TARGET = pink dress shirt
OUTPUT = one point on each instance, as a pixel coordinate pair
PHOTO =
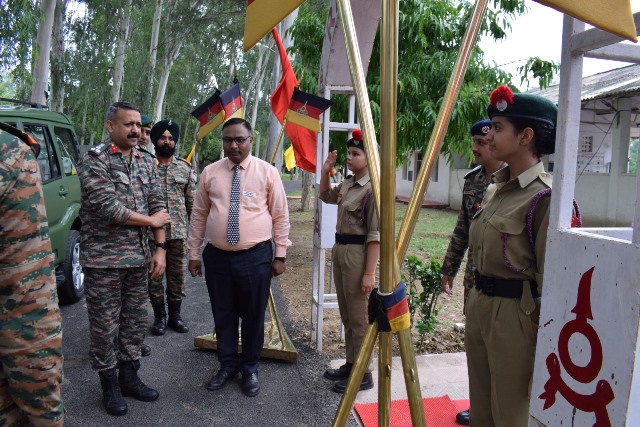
(263, 207)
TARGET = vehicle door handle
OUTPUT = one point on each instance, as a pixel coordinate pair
(62, 192)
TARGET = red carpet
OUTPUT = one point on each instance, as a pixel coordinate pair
(438, 411)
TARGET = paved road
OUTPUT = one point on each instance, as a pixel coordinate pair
(291, 395)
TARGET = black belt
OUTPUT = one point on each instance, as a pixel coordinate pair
(350, 239)
(507, 288)
(244, 251)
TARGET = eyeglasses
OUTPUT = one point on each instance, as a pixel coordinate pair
(238, 140)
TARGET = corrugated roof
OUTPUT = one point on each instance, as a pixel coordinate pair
(608, 84)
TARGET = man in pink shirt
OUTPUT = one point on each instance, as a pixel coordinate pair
(240, 206)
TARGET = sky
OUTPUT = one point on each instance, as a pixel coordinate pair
(539, 33)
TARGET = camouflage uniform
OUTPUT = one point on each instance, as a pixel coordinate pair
(177, 188)
(30, 328)
(475, 186)
(114, 255)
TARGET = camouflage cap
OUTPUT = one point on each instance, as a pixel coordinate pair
(163, 125)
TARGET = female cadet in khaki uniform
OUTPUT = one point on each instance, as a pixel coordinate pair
(355, 254)
(504, 307)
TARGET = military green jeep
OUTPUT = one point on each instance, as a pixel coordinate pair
(58, 158)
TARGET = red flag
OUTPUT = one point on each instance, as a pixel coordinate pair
(302, 139)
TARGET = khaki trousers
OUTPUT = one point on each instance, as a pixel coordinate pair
(348, 267)
(500, 340)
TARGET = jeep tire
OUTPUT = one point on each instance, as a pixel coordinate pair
(72, 288)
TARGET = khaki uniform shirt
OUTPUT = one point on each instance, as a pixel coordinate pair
(177, 187)
(356, 212)
(112, 187)
(504, 212)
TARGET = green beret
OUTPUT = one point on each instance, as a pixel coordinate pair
(523, 105)
(146, 121)
(158, 129)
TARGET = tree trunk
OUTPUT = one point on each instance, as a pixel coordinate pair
(164, 79)
(257, 75)
(307, 184)
(153, 54)
(118, 68)
(41, 69)
(57, 58)
(123, 35)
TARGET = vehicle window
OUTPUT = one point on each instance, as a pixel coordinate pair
(66, 143)
(47, 159)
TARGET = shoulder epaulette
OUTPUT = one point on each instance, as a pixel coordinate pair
(98, 149)
(184, 160)
(144, 151)
(473, 171)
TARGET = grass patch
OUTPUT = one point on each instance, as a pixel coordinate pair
(432, 232)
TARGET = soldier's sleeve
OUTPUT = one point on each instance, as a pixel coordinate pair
(155, 199)
(459, 240)
(101, 191)
(541, 225)
(189, 193)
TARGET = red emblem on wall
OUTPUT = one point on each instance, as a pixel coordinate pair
(603, 394)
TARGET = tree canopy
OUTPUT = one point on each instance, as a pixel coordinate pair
(199, 47)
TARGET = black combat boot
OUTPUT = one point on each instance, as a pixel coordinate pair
(112, 398)
(160, 315)
(175, 321)
(131, 385)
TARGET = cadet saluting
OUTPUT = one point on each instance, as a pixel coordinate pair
(120, 199)
(504, 308)
(355, 254)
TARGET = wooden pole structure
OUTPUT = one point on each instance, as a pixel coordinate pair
(389, 275)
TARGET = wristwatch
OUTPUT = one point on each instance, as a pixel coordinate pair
(162, 245)
(280, 258)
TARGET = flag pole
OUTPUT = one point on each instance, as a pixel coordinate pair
(275, 150)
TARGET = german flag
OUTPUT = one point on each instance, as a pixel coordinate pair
(232, 103)
(305, 109)
(262, 16)
(614, 16)
(210, 115)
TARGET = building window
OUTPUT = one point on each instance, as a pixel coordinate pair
(586, 144)
(405, 171)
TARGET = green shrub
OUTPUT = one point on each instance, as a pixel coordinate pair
(423, 299)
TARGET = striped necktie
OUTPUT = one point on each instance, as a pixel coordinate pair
(233, 227)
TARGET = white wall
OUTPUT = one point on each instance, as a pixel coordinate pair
(437, 191)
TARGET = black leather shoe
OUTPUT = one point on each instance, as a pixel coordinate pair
(342, 373)
(250, 384)
(366, 384)
(463, 417)
(221, 378)
(145, 350)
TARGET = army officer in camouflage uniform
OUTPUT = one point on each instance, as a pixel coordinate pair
(120, 200)
(174, 176)
(30, 332)
(475, 185)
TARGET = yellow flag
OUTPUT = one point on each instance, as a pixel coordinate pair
(262, 16)
(613, 16)
(193, 150)
(289, 158)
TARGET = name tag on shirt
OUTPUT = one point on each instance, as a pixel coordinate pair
(248, 194)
